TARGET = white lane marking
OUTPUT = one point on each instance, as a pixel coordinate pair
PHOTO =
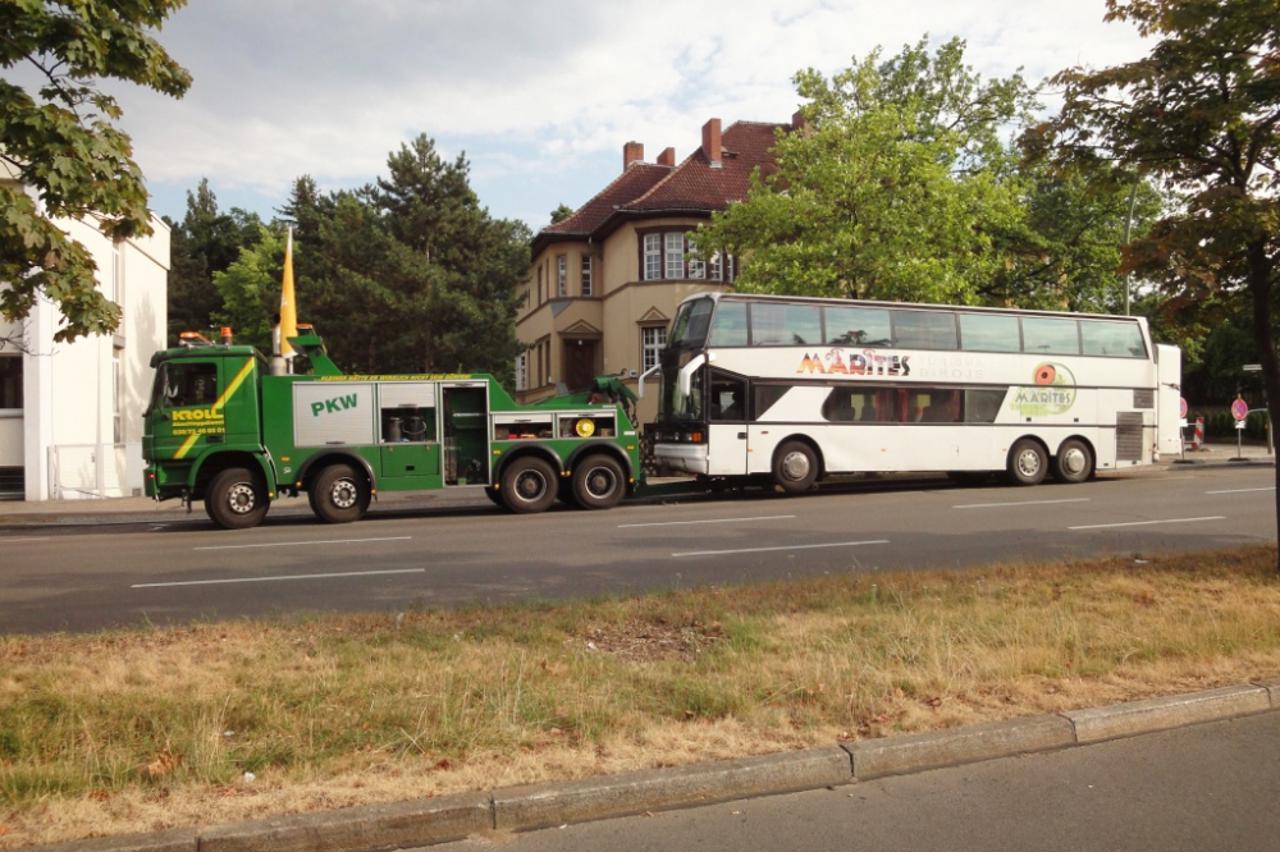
(278, 578)
(1241, 490)
(1145, 523)
(300, 543)
(707, 521)
(27, 538)
(1022, 503)
(783, 547)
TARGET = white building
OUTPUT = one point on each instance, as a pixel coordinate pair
(71, 413)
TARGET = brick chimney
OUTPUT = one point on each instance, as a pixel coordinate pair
(632, 152)
(799, 122)
(711, 142)
(667, 157)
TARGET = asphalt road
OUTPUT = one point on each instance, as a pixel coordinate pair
(86, 578)
(1212, 786)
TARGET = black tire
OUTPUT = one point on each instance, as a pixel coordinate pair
(598, 482)
(339, 494)
(529, 485)
(795, 467)
(1028, 462)
(495, 496)
(236, 499)
(1074, 461)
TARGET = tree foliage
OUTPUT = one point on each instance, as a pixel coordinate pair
(899, 187)
(59, 139)
(1200, 115)
(204, 243)
(408, 274)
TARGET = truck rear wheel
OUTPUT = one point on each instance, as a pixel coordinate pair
(236, 499)
(528, 485)
(339, 494)
(598, 482)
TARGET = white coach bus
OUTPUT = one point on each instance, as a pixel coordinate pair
(797, 389)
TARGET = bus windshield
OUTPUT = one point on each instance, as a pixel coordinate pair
(690, 328)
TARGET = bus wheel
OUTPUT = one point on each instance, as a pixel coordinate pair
(339, 494)
(1028, 462)
(795, 467)
(528, 485)
(236, 499)
(598, 482)
(1074, 462)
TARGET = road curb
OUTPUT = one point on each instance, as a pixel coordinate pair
(1158, 714)
(934, 749)
(542, 805)
(529, 807)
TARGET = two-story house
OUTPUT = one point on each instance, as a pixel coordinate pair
(604, 283)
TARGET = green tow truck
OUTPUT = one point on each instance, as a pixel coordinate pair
(220, 428)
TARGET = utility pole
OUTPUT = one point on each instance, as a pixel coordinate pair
(1128, 228)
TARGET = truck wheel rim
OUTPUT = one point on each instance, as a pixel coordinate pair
(795, 466)
(1073, 461)
(530, 485)
(241, 498)
(343, 494)
(600, 482)
(1028, 462)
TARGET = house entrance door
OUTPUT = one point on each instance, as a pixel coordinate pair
(579, 363)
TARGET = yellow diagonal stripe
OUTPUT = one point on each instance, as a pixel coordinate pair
(186, 445)
(234, 386)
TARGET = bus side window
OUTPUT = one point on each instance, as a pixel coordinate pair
(728, 398)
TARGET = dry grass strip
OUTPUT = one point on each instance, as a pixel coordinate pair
(146, 729)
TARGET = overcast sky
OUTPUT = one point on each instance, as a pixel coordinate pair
(540, 95)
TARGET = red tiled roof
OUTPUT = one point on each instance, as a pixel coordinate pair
(631, 184)
(695, 185)
(692, 186)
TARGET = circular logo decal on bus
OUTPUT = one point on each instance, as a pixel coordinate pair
(1053, 392)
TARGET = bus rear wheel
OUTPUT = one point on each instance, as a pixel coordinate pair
(1074, 462)
(236, 499)
(598, 482)
(339, 494)
(1028, 462)
(528, 485)
(795, 467)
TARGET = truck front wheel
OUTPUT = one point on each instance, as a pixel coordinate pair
(236, 499)
(339, 494)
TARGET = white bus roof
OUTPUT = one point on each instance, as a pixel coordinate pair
(827, 300)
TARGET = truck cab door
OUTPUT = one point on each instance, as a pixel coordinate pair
(182, 415)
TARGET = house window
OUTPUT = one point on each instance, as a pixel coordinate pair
(562, 275)
(522, 371)
(652, 340)
(11, 382)
(652, 257)
(540, 291)
(117, 395)
(113, 281)
(674, 251)
(697, 267)
(586, 275)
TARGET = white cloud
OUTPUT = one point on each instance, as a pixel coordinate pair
(286, 87)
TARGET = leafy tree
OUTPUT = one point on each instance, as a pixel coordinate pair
(62, 145)
(1200, 114)
(562, 212)
(249, 290)
(204, 243)
(900, 186)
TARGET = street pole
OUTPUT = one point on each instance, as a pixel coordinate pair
(1128, 229)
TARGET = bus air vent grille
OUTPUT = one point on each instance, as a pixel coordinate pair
(1129, 436)
(1144, 398)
